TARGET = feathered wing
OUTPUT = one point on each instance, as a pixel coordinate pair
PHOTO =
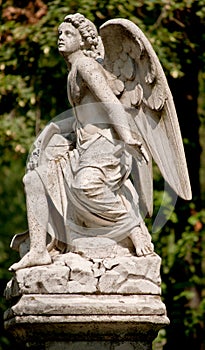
(129, 56)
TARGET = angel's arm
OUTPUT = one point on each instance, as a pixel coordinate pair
(93, 76)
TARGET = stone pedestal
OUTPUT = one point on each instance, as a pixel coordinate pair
(87, 301)
(86, 321)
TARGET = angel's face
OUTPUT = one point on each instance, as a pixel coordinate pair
(69, 38)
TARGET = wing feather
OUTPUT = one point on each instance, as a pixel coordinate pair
(130, 56)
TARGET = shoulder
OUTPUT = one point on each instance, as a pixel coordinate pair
(87, 66)
(86, 62)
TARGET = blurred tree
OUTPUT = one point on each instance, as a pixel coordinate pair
(32, 75)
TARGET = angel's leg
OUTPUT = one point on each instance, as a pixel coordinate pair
(109, 210)
(141, 239)
(37, 212)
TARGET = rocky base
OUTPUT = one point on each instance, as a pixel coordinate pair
(110, 269)
(88, 299)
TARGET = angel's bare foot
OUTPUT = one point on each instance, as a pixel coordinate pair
(32, 259)
(142, 241)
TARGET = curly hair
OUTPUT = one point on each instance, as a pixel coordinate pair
(88, 32)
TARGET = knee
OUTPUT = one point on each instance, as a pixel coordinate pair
(86, 185)
(27, 179)
(30, 179)
(80, 187)
(33, 184)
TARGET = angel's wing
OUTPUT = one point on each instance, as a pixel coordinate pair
(146, 95)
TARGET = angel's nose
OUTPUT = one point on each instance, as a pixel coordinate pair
(60, 36)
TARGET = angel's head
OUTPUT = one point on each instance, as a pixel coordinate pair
(81, 35)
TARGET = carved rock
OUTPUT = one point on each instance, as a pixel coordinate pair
(74, 273)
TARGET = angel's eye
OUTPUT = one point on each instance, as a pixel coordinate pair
(67, 33)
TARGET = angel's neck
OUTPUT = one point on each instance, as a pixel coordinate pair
(72, 58)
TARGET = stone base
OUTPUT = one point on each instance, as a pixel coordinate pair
(72, 273)
(100, 296)
(86, 321)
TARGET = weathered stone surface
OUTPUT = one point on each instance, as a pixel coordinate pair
(82, 278)
(85, 287)
(65, 331)
(39, 280)
(75, 304)
(112, 283)
(106, 320)
(139, 286)
(131, 275)
(83, 300)
(87, 181)
(98, 269)
(94, 247)
(73, 273)
(105, 293)
(147, 267)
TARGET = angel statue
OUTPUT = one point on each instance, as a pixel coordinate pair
(90, 174)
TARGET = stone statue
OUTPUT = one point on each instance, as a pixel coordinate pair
(90, 175)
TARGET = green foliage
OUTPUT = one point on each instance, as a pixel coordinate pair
(183, 271)
(32, 75)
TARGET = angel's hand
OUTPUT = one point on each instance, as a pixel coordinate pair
(136, 149)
